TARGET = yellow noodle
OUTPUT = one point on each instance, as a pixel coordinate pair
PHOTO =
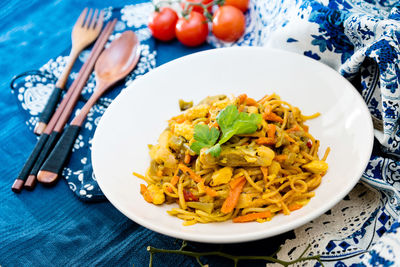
(304, 184)
(313, 116)
(252, 210)
(316, 146)
(307, 156)
(285, 209)
(285, 118)
(204, 171)
(146, 179)
(182, 201)
(251, 182)
(328, 149)
(165, 187)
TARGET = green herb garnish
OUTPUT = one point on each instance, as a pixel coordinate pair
(204, 136)
(231, 122)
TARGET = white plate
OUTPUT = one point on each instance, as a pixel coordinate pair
(139, 114)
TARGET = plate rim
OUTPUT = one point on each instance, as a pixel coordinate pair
(245, 237)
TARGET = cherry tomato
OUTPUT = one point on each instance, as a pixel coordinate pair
(162, 24)
(228, 23)
(192, 31)
(243, 5)
(197, 8)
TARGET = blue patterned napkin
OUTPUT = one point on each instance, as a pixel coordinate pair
(359, 39)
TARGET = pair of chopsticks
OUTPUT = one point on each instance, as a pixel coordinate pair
(27, 176)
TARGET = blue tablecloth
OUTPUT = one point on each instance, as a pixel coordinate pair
(50, 226)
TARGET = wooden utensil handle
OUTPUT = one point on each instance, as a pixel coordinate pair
(30, 182)
(50, 105)
(31, 160)
(55, 95)
(58, 156)
(73, 55)
(51, 141)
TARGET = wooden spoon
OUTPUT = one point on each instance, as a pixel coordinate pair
(117, 61)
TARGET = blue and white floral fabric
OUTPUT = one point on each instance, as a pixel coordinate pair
(358, 38)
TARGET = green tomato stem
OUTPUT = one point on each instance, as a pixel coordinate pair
(205, 7)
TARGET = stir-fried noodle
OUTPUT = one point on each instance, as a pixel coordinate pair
(250, 177)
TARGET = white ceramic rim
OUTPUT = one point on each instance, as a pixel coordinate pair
(252, 235)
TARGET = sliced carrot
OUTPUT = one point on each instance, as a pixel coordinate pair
(174, 180)
(271, 131)
(281, 157)
(305, 127)
(242, 98)
(272, 117)
(241, 108)
(252, 217)
(294, 206)
(251, 102)
(211, 192)
(187, 158)
(146, 194)
(233, 197)
(235, 182)
(265, 141)
(295, 128)
(191, 173)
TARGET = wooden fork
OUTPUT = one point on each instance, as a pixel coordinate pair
(85, 31)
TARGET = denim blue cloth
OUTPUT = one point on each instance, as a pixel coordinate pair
(51, 227)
